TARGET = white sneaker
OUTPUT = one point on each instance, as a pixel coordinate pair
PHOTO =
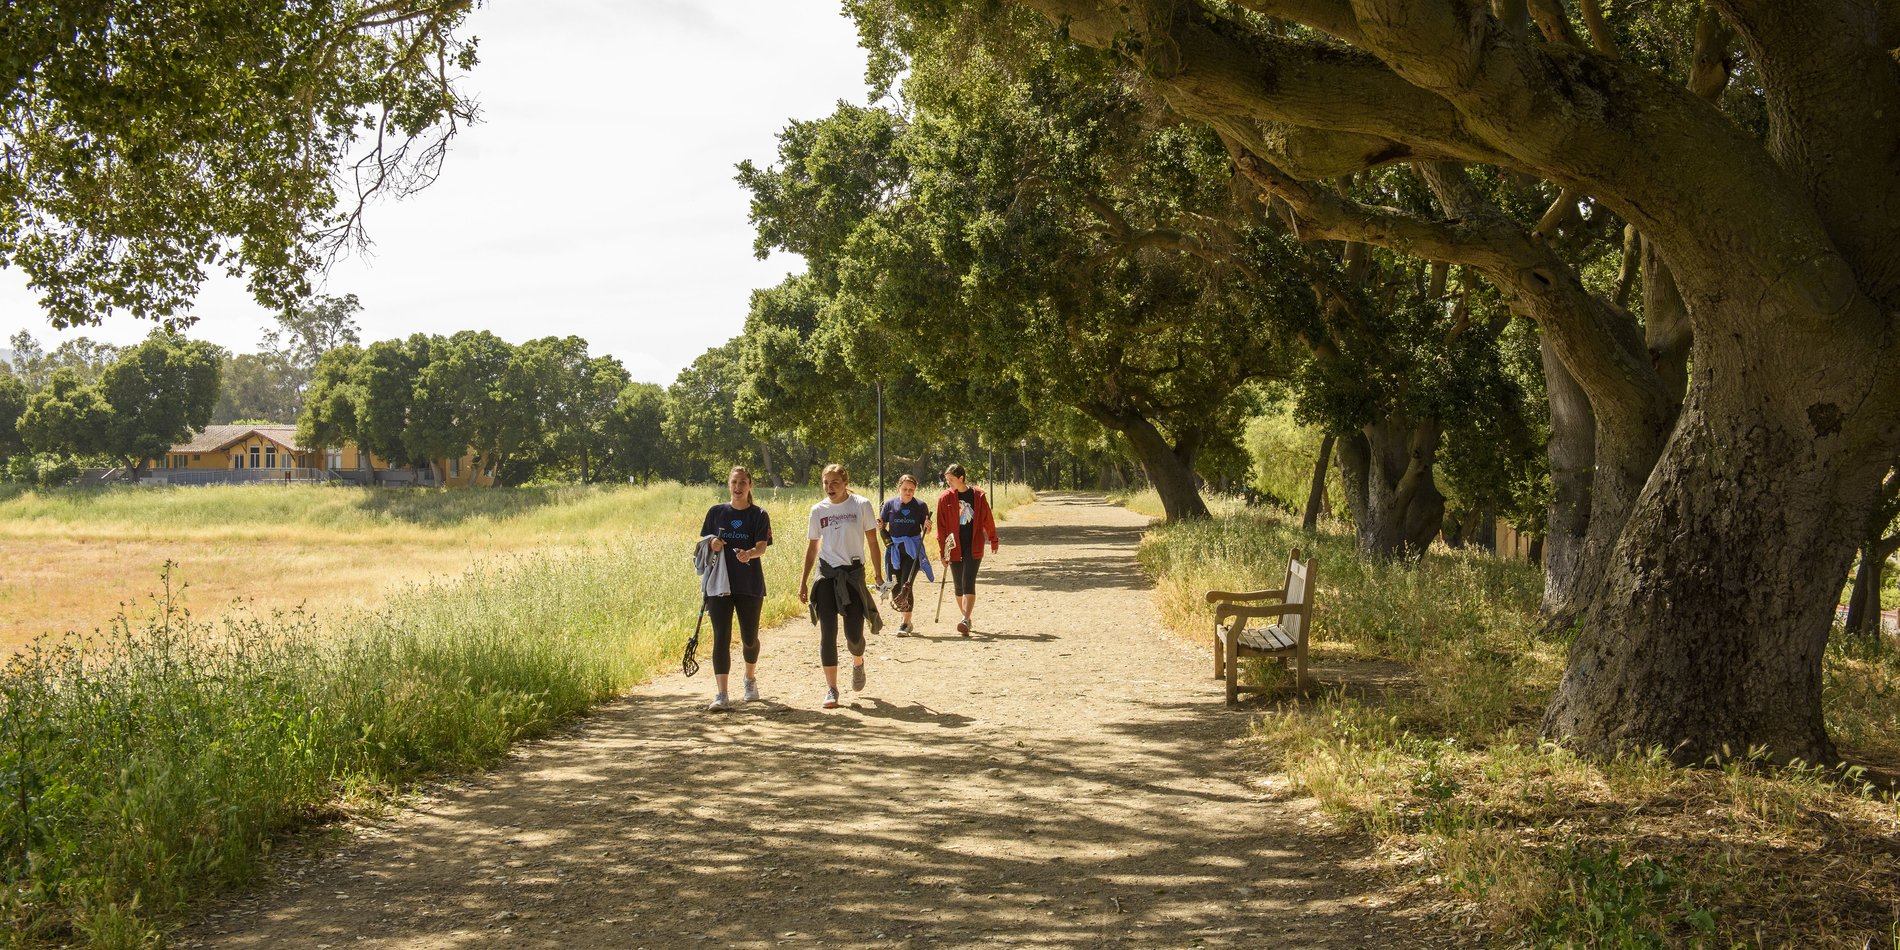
(831, 698)
(719, 704)
(751, 691)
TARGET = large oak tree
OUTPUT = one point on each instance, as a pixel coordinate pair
(1732, 515)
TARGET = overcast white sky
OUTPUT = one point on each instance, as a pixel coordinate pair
(595, 197)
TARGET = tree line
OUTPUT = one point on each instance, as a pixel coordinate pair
(543, 410)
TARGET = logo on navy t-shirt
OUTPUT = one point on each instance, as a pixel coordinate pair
(906, 518)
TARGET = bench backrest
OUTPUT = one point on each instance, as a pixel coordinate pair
(1299, 584)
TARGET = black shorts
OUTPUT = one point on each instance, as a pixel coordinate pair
(964, 574)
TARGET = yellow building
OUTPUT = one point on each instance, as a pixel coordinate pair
(268, 453)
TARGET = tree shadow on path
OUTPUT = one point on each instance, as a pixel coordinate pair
(1015, 793)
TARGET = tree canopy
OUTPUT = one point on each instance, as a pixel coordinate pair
(144, 142)
(1723, 504)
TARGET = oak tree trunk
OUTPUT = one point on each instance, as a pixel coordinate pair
(1705, 635)
(1572, 453)
(1316, 493)
(1863, 604)
(1169, 466)
(1387, 467)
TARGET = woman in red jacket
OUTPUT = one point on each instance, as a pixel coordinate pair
(964, 523)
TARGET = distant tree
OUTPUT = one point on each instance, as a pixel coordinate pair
(34, 365)
(576, 394)
(13, 397)
(28, 362)
(461, 400)
(159, 392)
(382, 387)
(328, 418)
(147, 140)
(637, 446)
(257, 386)
(304, 333)
(700, 416)
(67, 416)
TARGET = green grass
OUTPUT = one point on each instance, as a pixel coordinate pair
(155, 762)
(1446, 771)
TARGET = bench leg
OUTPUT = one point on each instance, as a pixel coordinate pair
(1219, 669)
(1233, 671)
(1299, 677)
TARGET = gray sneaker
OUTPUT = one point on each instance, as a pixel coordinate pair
(831, 698)
(857, 678)
(751, 691)
(719, 704)
(903, 630)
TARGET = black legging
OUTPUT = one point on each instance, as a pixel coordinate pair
(964, 574)
(721, 609)
(903, 591)
(827, 605)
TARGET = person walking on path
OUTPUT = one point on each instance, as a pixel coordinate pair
(737, 533)
(842, 527)
(904, 519)
(964, 522)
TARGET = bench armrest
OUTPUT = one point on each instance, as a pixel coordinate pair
(1263, 611)
(1228, 596)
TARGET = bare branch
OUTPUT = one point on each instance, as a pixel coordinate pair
(1600, 34)
(1632, 257)
(1334, 17)
(1554, 22)
(1710, 68)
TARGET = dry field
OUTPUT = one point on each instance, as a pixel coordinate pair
(70, 560)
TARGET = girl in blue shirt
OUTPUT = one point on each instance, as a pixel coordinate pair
(904, 517)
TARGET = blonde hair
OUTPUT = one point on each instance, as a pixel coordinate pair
(843, 472)
(742, 470)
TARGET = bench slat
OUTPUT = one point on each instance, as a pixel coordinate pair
(1266, 639)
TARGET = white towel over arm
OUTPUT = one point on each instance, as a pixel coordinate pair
(711, 566)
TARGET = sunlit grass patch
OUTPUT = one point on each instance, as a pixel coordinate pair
(1447, 772)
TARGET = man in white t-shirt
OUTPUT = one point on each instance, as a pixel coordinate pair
(842, 529)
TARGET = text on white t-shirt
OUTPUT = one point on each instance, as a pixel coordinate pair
(839, 528)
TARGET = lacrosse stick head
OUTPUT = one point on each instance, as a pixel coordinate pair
(689, 664)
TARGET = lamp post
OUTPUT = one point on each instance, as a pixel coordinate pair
(880, 444)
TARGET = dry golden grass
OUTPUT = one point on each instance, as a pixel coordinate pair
(1443, 766)
(70, 559)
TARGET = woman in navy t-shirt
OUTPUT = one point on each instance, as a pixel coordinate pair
(905, 517)
(742, 530)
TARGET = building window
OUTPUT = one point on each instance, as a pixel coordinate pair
(237, 461)
(333, 458)
(194, 458)
(455, 468)
(270, 456)
(362, 460)
(257, 455)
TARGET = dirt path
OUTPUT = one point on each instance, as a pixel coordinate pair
(1062, 778)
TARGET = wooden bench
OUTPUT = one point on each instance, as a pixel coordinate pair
(1236, 633)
